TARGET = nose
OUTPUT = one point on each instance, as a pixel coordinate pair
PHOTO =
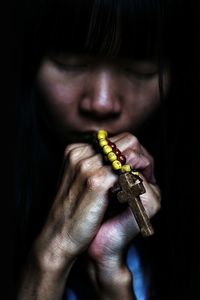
(101, 98)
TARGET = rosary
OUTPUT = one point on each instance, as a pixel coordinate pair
(130, 186)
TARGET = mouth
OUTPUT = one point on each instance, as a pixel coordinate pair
(82, 137)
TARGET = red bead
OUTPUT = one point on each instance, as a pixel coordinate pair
(121, 158)
(112, 145)
(117, 152)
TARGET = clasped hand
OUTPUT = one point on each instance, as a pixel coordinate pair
(76, 220)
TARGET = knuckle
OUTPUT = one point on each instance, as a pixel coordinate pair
(95, 182)
(147, 162)
(67, 150)
(150, 160)
(73, 156)
(133, 139)
(84, 165)
(156, 206)
(157, 192)
(152, 204)
(154, 209)
(89, 165)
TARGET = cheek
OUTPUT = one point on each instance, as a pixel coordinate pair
(149, 95)
(58, 92)
(60, 96)
(144, 100)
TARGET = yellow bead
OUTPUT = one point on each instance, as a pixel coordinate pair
(112, 156)
(126, 168)
(103, 142)
(102, 134)
(107, 149)
(116, 165)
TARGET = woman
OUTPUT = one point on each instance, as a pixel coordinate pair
(86, 66)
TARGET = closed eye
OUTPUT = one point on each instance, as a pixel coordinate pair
(141, 74)
(69, 66)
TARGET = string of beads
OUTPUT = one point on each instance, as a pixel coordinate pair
(112, 154)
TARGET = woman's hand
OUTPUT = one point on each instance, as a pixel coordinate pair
(72, 223)
(107, 248)
(80, 203)
(76, 222)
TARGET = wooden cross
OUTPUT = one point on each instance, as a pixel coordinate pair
(131, 188)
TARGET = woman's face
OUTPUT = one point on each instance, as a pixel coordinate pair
(82, 93)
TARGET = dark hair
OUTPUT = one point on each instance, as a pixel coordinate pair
(97, 27)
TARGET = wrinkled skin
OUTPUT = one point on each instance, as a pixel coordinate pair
(80, 95)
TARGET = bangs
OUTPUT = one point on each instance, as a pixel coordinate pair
(126, 28)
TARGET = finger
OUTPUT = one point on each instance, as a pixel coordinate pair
(90, 209)
(84, 170)
(151, 199)
(96, 189)
(136, 155)
(73, 155)
(148, 155)
(139, 161)
(125, 141)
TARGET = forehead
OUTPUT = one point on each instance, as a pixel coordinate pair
(106, 28)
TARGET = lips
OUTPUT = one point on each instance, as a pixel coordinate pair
(80, 137)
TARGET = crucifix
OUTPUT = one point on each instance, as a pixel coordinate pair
(131, 187)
